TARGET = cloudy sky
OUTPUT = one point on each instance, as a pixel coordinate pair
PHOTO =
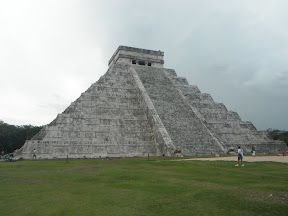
(52, 51)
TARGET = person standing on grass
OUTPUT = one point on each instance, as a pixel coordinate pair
(253, 151)
(240, 157)
(34, 154)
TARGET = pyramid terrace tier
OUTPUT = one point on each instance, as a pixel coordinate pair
(88, 149)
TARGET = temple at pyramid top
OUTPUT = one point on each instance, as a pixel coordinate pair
(136, 56)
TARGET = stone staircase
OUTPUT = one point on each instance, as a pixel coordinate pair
(186, 130)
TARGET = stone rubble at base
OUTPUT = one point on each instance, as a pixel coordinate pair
(138, 108)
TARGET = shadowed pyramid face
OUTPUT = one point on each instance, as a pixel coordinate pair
(139, 108)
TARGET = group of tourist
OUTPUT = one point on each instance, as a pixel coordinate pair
(7, 157)
(10, 156)
(241, 155)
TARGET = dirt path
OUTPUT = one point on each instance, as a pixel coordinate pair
(281, 159)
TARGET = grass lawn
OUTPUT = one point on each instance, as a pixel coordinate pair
(141, 187)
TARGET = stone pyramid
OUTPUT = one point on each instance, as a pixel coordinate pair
(138, 108)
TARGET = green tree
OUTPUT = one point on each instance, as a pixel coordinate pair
(279, 135)
(13, 137)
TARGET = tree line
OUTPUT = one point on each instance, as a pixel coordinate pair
(279, 135)
(13, 137)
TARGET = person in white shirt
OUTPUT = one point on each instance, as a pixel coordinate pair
(34, 154)
(240, 157)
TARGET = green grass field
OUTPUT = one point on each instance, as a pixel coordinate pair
(141, 187)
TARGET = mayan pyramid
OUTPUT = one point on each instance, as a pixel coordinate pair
(138, 108)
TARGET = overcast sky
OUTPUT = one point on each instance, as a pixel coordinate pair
(52, 51)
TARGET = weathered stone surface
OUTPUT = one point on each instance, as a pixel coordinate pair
(186, 130)
(105, 121)
(226, 126)
(139, 107)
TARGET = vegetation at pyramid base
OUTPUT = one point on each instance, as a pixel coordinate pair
(13, 137)
(279, 135)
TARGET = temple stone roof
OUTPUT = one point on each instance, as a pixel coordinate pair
(131, 55)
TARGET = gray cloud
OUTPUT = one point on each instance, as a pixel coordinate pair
(235, 50)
